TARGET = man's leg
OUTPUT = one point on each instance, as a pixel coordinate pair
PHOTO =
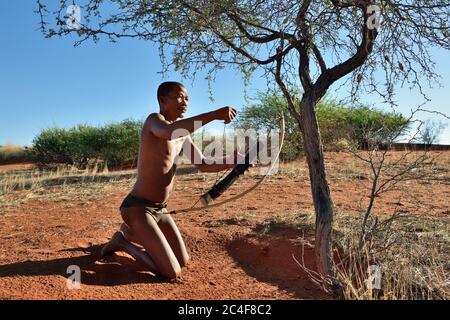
(149, 234)
(173, 236)
(128, 234)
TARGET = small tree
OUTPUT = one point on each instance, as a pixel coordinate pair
(264, 114)
(340, 126)
(314, 43)
(430, 131)
(378, 241)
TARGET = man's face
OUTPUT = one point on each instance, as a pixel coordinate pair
(176, 101)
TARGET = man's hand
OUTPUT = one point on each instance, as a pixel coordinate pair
(226, 114)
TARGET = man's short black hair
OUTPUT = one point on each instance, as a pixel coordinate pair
(166, 87)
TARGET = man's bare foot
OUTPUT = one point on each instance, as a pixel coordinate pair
(118, 242)
(115, 244)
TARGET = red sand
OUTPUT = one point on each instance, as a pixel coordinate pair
(229, 260)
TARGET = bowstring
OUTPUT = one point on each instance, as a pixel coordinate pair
(218, 178)
(196, 202)
(218, 175)
(248, 190)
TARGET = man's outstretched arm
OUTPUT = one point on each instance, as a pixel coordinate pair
(164, 129)
(205, 164)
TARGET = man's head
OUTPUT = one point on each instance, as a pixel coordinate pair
(173, 99)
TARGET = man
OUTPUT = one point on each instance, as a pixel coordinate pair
(146, 221)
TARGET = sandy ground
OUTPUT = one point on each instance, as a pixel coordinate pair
(230, 257)
(21, 166)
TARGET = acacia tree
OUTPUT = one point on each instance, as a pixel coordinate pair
(312, 43)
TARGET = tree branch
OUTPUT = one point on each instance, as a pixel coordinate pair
(261, 39)
(328, 77)
(235, 47)
(303, 68)
(287, 95)
(318, 55)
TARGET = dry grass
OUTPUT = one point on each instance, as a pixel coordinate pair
(302, 221)
(61, 183)
(349, 170)
(411, 253)
(11, 153)
(436, 168)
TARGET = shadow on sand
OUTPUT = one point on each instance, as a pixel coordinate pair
(112, 270)
(269, 257)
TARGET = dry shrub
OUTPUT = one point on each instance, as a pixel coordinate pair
(410, 252)
(12, 153)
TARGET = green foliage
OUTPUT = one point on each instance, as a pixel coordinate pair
(121, 142)
(430, 131)
(340, 127)
(265, 115)
(52, 146)
(359, 125)
(116, 144)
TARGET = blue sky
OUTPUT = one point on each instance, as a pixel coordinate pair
(48, 82)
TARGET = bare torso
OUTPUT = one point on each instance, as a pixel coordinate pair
(156, 166)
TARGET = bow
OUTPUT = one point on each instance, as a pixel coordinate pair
(219, 188)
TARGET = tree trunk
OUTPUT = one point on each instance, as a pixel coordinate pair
(319, 186)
